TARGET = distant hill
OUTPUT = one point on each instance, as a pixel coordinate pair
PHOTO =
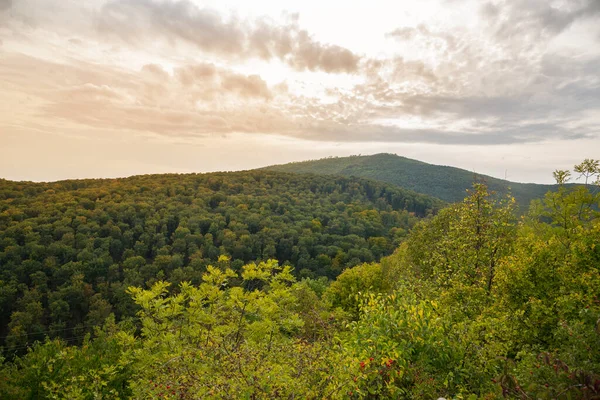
(446, 183)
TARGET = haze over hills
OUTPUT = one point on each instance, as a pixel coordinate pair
(446, 183)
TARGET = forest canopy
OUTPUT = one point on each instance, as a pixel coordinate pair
(69, 250)
(476, 302)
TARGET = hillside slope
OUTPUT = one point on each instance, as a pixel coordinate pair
(446, 183)
(69, 250)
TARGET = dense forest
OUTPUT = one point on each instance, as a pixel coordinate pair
(69, 250)
(476, 302)
(446, 183)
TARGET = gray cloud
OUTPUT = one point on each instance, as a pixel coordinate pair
(504, 83)
(529, 133)
(489, 10)
(491, 121)
(516, 117)
(480, 88)
(137, 21)
(537, 18)
(5, 4)
(202, 99)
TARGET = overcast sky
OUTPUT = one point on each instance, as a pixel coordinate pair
(95, 88)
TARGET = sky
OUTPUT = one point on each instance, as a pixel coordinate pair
(108, 88)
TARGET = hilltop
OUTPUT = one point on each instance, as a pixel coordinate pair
(443, 182)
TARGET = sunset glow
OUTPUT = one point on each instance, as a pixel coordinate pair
(115, 88)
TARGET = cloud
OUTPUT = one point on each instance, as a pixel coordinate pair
(503, 75)
(537, 18)
(246, 86)
(91, 92)
(202, 99)
(421, 30)
(143, 21)
(196, 99)
(135, 20)
(489, 10)
(458, 86)
(5, 4)
(390, 134)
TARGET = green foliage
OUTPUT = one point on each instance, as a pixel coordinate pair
(446, 183)
(569, 208)
(474, 304)
(55, 370)
(219, 341)
(69, 250)
(402, 349)
(532, 329)
(345, 291)
(459, 251)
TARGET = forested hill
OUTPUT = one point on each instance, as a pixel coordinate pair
(447, 183)
(70, 249)
(474, 303)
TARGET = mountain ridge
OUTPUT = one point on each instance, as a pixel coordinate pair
(444, 182)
